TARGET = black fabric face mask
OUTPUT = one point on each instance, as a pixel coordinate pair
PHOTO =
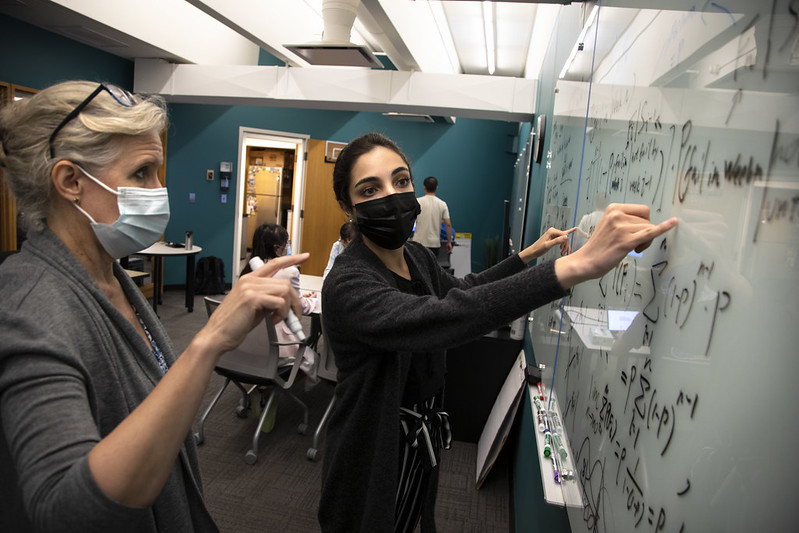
(388, 221)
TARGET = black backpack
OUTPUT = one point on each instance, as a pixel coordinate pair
(210, 277)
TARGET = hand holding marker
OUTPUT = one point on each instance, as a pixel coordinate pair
(291, 320)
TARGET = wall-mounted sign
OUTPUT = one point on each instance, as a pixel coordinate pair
(332, 149)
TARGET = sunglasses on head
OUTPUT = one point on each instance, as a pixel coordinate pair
(122, 97)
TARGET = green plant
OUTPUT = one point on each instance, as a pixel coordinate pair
(492, 251)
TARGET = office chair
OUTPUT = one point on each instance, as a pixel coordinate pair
(328, 371)
(256, 362)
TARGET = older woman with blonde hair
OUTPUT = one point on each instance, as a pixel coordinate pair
(96, 407)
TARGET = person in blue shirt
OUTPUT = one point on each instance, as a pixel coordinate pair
(346, 234)
(444, 232)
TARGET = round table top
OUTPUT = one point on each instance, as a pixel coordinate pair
(162, 248)
(311, 283)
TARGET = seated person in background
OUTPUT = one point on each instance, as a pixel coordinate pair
(346, 233)
(270, 241)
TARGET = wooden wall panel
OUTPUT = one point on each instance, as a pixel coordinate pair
(8, 204)
(323, 217)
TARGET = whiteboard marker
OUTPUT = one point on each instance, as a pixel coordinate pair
(555, 418)
(291, 319)
(538, 403)
(559, 445)
(547, 437)
(558, 468)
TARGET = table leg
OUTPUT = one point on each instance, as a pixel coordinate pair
(190, 282)
(316, 330)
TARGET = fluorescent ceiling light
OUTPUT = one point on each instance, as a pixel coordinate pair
(580, 41)
(488, 23)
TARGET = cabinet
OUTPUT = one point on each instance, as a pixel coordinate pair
(475, 374)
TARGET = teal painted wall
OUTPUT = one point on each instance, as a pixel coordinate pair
(471, 158)
(36, 58)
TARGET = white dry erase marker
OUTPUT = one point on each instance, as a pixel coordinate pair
(292, 321)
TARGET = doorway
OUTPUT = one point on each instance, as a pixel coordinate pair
(270, 187)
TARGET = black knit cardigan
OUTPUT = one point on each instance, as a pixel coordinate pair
(373, 329)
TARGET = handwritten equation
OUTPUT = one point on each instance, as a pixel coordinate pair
(642, 411)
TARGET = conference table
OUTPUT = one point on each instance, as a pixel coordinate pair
(309, 283)
(162, 249)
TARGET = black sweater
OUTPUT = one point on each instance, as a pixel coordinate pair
(373, 328)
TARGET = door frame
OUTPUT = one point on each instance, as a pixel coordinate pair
(249, 136)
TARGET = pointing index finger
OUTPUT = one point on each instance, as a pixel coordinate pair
(655, 231)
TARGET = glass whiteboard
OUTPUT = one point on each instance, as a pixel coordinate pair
(684, 417)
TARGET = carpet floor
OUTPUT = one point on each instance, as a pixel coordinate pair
(280, 492)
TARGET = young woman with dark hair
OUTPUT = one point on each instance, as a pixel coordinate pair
(390, 313)
(270, 241)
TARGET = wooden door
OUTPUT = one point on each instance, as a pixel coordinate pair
(322, 217)
(8, 204)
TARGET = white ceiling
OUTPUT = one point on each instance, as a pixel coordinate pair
(426, 36)
(207, 51)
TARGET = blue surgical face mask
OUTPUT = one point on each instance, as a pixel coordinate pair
(143, 216)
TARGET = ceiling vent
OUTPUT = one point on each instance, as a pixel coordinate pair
(335, 48)
(337, 55)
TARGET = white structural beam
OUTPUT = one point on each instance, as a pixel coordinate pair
(336, 88)
(270, 24)
(172, 25)
(414, 22)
